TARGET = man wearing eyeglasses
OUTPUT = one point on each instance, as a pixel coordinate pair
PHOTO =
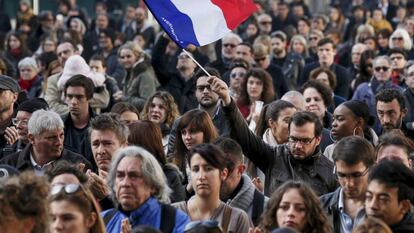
(409, 94)
(366, 92)
(353, 156)
(228, 53)
(24, 112)
(299, 159)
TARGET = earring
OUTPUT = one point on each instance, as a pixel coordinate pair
(362, 131)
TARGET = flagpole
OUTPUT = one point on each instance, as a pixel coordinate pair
(196, 62)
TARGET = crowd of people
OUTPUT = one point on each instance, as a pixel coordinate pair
(302, 121)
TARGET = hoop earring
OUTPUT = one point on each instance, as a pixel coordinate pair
(362, 131)
(330, 135)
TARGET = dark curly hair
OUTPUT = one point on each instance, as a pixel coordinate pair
(268, 93)
(324, 90)
(316, 220)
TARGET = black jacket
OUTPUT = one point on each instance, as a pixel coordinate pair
(276, 162)
(329, 204)
(21, 160)
(405, 226)
(343, 78)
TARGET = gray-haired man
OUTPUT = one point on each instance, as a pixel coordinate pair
(46, 145)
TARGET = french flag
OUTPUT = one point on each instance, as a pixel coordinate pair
(199, 22)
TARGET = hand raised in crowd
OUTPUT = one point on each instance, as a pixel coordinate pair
(118, 95)
(258, 184)
(255, 230)
(125, 226)
(11, 135)
(97, 185)
(221, 88)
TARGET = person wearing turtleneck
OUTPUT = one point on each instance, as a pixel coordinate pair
(298, 159)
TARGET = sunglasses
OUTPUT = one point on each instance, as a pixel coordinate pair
(265, 22)
(260, 59)
(210, 224)
(230, 45)
(313, 38)
(397, 38)
(67, 188)
(238, 74)
(379, 68)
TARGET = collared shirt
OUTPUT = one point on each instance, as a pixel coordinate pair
(347, 223)
(38, 169)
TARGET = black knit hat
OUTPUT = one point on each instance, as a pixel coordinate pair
(31, 105)
(360, 109)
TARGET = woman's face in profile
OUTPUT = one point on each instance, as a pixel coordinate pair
(292, 210)
(343, 123)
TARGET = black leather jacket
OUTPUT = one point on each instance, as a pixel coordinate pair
(276, 162)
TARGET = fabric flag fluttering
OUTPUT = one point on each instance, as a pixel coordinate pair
(199, 22)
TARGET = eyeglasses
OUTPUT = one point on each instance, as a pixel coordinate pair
(355, 175)
(303, 141)
(398, 38)
(16, 121)
(229, 45)
(238, 74)
(260, 59)
(210, 224)
(68, 188)
(265, 22)
(313, 38)
(379, 68)
(203, 87)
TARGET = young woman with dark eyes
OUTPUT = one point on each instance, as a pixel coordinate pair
(208, 170)
(194, 127)
(294, 205)
(318, 97)
(351, 118)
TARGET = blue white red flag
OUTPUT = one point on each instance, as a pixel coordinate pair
(199, 22)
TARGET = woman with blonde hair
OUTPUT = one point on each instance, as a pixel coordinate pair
(372, 225)
(299, 46)
(140, 81)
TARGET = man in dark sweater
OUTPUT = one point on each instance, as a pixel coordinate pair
(326, 54)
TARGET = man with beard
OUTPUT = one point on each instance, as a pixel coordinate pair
(353, 156)
(9, 90)
(391, 110)
(237, 190)
(299, 159)
(78, 91)
(207, 101)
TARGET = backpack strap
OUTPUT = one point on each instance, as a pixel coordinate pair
(226, 218)
(109, 215)
(168, 214)
(257, 209)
